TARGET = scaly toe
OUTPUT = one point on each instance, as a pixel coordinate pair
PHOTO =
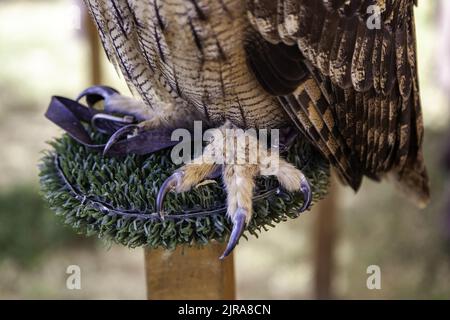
(238, 228)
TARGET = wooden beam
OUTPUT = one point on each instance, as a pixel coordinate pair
(190, 274)
(95, 63)
(324, 244)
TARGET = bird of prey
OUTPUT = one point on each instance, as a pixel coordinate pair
(342, 73)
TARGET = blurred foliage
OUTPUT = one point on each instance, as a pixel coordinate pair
(410, 245)
(28, 228)
(37, 56)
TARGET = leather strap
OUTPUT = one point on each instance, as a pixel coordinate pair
(69, 115)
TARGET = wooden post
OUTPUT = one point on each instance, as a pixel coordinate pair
(324, 243)
(190, 274)
(95, 69)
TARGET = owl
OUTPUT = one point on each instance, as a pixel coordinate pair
(340, 74)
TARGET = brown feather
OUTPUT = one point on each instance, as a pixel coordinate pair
(369, 79)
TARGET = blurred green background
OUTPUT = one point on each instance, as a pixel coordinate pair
(44, 51)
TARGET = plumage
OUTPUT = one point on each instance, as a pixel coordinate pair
(351, 90)
(374, 85)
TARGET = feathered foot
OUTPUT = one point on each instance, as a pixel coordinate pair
(238, 178)
(114, 102)
(135, 116)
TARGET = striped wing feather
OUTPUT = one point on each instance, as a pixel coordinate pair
(367, 118)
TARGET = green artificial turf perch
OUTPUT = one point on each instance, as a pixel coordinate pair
(114, 198)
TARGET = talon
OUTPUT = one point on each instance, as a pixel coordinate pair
(117, 135)
(236, 233)
(305, 188)
(168, 185)
(216, 173)
(102, 116)
(96, 93)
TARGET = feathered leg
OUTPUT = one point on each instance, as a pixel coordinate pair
(166, 115)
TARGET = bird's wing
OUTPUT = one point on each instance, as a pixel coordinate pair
(359, 98)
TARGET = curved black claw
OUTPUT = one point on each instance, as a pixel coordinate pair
(96, 93)
(305, 188)
(238, 228)
(118, 134)
(168, 185)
